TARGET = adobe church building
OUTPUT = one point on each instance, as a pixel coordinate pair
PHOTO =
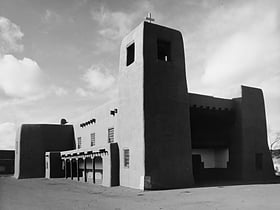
(156, 135)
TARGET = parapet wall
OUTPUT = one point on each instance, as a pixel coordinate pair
(197, 100)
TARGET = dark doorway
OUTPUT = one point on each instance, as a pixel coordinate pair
(197, 166)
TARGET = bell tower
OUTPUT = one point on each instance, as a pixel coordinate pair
(154, 121)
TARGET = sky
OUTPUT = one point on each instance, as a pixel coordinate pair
(60, 58)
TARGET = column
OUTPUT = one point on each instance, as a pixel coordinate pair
(93, 169)
(85, 169)
(77, 161)
(71, 168)
(65, 168)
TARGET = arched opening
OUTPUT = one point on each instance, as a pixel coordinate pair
(98, 170)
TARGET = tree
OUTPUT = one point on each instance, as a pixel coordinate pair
(277, 139)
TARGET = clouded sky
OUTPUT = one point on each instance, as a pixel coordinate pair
(59, 58)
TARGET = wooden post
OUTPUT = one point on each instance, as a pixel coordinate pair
(93, 170)
(77, 161)
(71, 169)
(85, 169)
(65, 168)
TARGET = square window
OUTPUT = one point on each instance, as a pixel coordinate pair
(110, 135)
(126, 158)
(130, 54)
(79, 142)
(92, 139)
(164, 50)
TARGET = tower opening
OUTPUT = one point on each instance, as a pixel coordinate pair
(164, 50)
(130, 54)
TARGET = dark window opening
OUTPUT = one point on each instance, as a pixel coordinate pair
(259, 161)
(126, 158)
(164, 50)
(130, 54)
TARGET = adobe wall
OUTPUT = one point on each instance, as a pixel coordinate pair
(104, 121)
(33, 140)
(254, 137)
(168, 160)
(131, 116)
(236, 146)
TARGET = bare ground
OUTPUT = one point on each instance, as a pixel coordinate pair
(61, 194)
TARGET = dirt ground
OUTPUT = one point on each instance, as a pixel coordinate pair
(61, 194)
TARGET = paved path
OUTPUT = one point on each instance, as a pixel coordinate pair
(61, 194)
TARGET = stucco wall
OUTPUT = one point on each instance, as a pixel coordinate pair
(131, 118)
(104, 120)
